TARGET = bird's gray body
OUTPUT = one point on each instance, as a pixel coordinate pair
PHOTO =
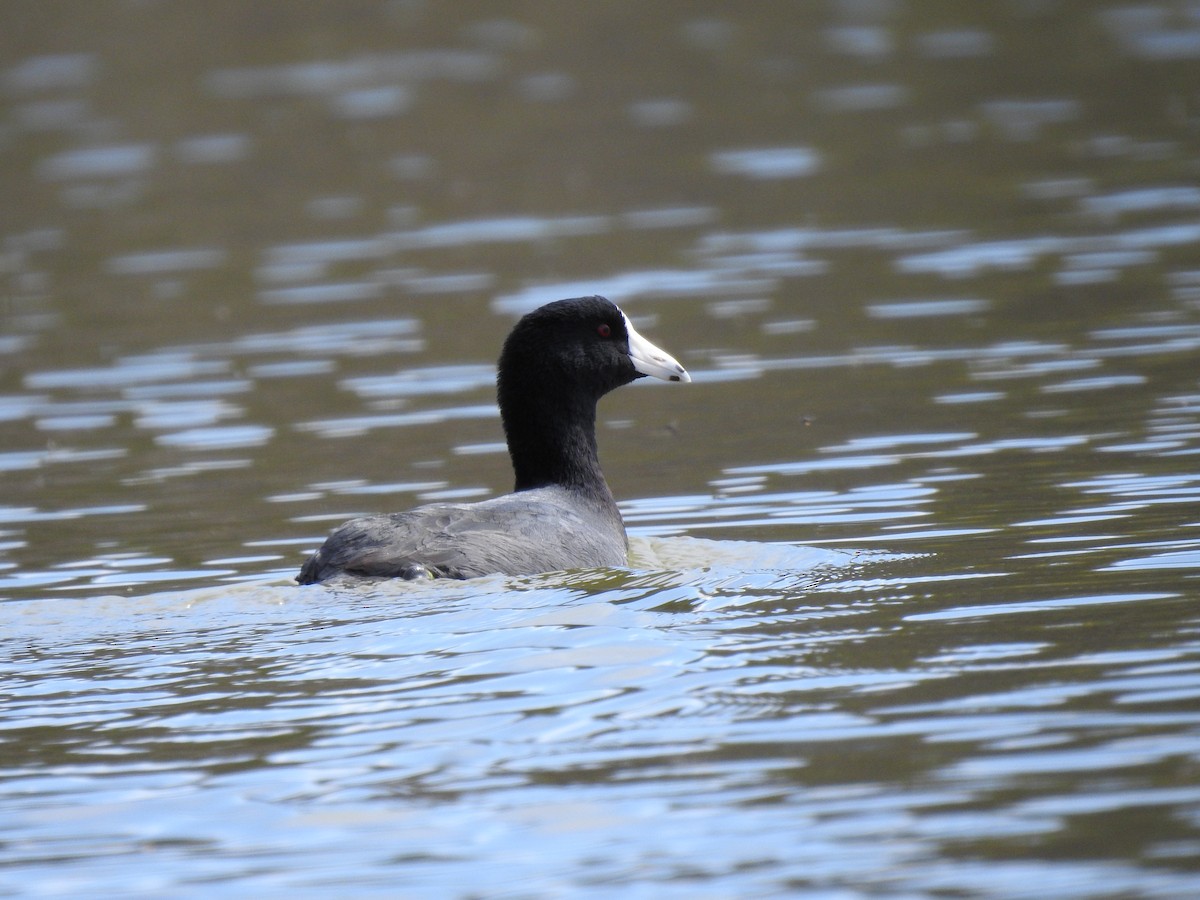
(543, 530)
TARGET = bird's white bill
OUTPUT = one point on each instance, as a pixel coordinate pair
(650, 360)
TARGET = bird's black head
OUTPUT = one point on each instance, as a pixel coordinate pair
(585, 346)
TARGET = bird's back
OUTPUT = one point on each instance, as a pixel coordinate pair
(541, 530)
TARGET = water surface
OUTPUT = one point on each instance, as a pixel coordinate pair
(911, 603)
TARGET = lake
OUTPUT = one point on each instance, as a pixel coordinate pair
(911, 607)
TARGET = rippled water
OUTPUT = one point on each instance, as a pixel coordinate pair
(911, 604)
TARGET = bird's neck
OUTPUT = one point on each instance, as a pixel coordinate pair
(553, 442)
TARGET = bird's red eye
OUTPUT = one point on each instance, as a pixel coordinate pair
(604, 330)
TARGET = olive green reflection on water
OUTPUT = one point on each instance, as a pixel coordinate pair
(911, 603)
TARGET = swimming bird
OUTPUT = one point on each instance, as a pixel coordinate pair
(556, 364)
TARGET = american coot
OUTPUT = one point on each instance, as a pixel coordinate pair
(556, 364)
